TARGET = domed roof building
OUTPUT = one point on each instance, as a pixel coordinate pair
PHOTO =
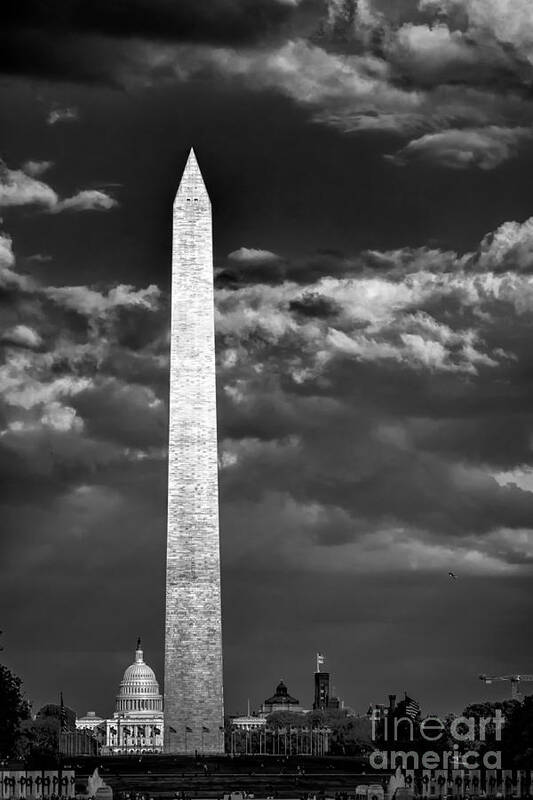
(139, 689)
(137, 724)
(281, 701)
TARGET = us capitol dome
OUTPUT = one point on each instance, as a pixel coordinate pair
(137, 724)
(139, 689)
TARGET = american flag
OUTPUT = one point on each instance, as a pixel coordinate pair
(62, 714)
(412, 708)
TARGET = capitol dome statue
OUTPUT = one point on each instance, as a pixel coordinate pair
(139, 689)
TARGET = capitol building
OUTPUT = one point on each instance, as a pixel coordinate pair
(137, 724)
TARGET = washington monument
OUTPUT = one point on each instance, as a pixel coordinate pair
(194, 706)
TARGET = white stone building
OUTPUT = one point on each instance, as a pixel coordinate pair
(249, 723)
(137, 724)
(90, 722)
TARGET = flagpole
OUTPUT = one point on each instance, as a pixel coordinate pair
(60, 725)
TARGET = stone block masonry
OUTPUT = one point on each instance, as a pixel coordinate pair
(193, 693)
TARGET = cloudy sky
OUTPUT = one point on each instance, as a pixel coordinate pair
(369, 165)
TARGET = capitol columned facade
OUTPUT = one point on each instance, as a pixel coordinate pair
(137, 724)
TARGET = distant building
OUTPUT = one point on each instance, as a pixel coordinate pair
(70, 740)
(395, 720)
(137, 724)
(249, 723)
(281, 701)
(378, 711)
(323, 700)
(90, 722)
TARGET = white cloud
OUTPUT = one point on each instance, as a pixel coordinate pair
(60, 417)
(509, 247)
(485, 148)
(384, 318)
(93, 303)
(431, 48)
(20, 188)
(86, 200)
(8, 276)
(412, 349)
(21, 384)
(23, 336)
(36, 168)
(68, 114)
(7, 257)
(434, 54)
(523, 478)
(252, 255)
(354, 91)
(509, 21)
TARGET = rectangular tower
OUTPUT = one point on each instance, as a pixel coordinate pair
(194, 715)
(321, 699)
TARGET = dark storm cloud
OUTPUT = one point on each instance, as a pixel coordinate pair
(88, 41)
(82, 459)
(455, 88)
(61, 56)
(274, 269)
(218, 21)
(357, 457)
(407, 378)
(56, 396)
(367, 414)
(312, 305)
(132, 415)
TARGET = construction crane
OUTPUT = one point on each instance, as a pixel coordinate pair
(514, 680)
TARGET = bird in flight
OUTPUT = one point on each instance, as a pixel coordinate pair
(452, 575)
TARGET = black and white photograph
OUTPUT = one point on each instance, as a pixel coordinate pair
(266, 399)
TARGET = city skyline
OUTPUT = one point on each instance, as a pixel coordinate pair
(368, 165)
